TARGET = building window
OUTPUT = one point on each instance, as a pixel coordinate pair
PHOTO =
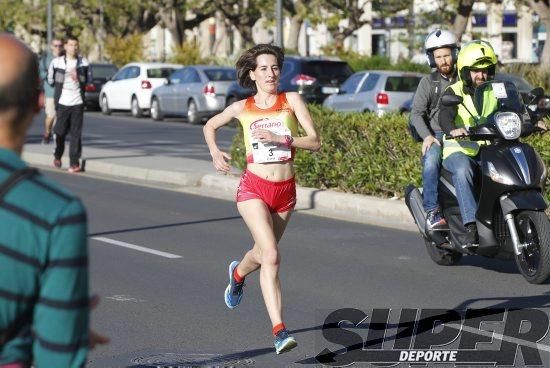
(479, 20)
(378, 23)
(509, 49)
(509, 20)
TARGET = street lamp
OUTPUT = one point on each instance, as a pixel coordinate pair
(49, 31)
(279, 23)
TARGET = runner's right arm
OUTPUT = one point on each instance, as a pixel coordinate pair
(220, 159)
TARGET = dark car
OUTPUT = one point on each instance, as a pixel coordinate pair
(235, 93)
(315, 78)
(540, 106)
(98, 75)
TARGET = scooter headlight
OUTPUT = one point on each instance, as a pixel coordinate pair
(509, 124)
(496, 176)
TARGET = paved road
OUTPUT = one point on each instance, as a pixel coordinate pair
(170, 311)
(173, 137)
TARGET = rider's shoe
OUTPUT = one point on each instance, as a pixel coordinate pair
(471, 239)
(234, 291)
(435, 220)
(284, 342)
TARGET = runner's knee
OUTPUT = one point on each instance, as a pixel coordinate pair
(270, 257)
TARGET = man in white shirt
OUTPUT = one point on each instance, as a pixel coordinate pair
(68, 74)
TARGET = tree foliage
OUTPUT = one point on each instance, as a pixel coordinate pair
(174, 15)
(334, 11)
(187, 54)
(243, 15)
(124, 49)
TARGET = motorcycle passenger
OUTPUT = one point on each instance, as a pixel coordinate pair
(476, 64)
(441, 51)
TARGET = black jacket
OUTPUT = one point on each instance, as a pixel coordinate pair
(56, 75)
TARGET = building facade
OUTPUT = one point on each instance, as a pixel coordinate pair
(514, 32)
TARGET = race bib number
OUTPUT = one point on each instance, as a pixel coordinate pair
(269, 152)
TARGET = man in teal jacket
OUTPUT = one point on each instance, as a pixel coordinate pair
(44, 301)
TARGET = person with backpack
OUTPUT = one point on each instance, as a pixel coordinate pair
(441, 50)
(68, 74)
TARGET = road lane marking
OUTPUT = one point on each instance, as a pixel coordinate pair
(135, 247)
(124, 298)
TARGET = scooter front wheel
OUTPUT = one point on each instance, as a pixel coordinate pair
(443, 257)
(533, 229)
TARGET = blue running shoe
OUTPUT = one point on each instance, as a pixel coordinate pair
(284, 342)
(234, 291)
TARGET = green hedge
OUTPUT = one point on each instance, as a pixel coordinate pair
(366, 154)
(537, 75)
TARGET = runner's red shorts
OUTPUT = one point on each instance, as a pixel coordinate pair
(279, 196)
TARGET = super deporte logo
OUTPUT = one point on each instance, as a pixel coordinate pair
(430, 337)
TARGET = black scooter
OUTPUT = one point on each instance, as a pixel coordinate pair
(510, 217)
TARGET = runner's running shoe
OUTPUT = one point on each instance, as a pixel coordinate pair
(284, 342)
(234, 291)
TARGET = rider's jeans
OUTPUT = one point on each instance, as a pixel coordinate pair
(463, 168)
(431, 163)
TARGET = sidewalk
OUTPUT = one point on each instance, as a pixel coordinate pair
(200, 177)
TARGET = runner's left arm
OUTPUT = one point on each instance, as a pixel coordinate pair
(311, 141)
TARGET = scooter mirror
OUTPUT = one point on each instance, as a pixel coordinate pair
(451, 100)
(537, 92)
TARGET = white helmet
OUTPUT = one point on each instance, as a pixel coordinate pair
(438, 39)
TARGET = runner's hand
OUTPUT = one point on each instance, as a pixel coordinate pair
(427, 143)
(266, 136)
(221, 161)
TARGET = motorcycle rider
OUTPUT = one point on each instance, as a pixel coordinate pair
(476, 64)
(441, 50)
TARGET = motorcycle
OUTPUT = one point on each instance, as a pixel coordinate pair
(510, 216)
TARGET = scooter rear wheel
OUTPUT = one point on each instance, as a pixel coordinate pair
(533, 229)
(443, 257)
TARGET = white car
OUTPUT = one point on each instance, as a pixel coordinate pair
(130, 88)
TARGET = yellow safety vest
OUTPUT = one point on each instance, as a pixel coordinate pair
(463, 119)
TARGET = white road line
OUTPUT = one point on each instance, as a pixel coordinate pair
(136, 247)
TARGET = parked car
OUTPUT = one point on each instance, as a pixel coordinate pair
(235, 93)
(407, 105)
(130, 88)
(196, 91)
(378, 91)
(540, 106)
(314, 78)
(98, 75)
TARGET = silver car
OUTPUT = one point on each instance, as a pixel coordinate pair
(196, 91)
(378, 91)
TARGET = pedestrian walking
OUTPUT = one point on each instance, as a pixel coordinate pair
(68, 74)
(44, 302)
(266, 194)
(56, 50)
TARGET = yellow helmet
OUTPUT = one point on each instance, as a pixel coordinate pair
(477, 54)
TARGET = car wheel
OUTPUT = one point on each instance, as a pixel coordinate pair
(156, 113)
(192, 113)
(105, 105)
(136, 111)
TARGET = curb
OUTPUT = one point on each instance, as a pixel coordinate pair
(326, 203)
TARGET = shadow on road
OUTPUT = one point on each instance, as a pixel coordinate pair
(164, 226)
